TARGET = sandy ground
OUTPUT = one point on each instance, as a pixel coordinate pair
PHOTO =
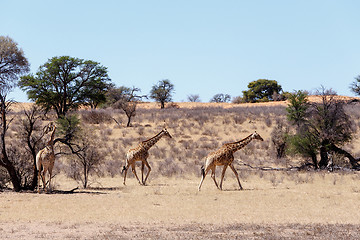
(312, 205)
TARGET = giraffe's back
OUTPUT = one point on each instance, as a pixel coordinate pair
(136, 154)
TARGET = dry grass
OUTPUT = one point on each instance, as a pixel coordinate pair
(172, 208)
(274, 205)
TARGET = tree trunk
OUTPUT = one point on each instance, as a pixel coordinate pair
(324, 158)
(162, 104)
(13, 176)
(129, 120)
(7, 164)
(354, 162)
(4, 160)
(33, 154)
(314, 159)
(280, 149)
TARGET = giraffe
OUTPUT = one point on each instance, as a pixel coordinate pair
(141, 153)
(45, 158)
(224, 156)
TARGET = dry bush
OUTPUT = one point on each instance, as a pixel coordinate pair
(113, 167)
(158, 152)
(96, 116)
(268, 122)
(169, 168)
(239, 119)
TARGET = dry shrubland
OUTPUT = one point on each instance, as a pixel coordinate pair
(197, 130)
(289, 204)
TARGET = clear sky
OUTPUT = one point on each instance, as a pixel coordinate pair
(203, 47)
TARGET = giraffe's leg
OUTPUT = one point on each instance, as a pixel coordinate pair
(237, 175)
(38, 180)
(125, 169)
(204, 173)
(149, 169)
(134, 171)
(142, 172)
(222, 175)
(50, 174)
(43, 178)
(213, 177)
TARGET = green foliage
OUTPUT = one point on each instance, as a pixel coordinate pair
(12, 63)
(65, 83)
(261, 90)
(220, 97)
(68, 127)
(297, 107)
(320, 126)
(162, 92)
(305, 143)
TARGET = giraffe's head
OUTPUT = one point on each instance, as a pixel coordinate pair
(255, 135)
(50, 127)
(166, 133)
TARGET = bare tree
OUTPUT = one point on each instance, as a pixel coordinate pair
(31, 133)
(12, 64)
(220, 98)
(279, 138)
(4, 157)
(194, 98)
(87, 159)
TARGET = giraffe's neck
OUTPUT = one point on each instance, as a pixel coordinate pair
(147, 144)
(51, 142)
(240, 144)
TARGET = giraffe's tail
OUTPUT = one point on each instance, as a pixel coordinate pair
(203, 171)
(124, 168)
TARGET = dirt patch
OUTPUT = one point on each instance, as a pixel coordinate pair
(44, 230)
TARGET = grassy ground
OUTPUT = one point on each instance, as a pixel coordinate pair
(310, 206)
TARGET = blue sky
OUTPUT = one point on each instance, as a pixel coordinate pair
(203, 47)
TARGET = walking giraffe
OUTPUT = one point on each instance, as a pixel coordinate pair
(141, 153)
(224, 156)
(45, 158)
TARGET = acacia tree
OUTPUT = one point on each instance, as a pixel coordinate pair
(65, 83)
(220, 98)
(298, 107)
(321, 128)
(261, 90)
(126, 99)
(162, 92)
(12, 64)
